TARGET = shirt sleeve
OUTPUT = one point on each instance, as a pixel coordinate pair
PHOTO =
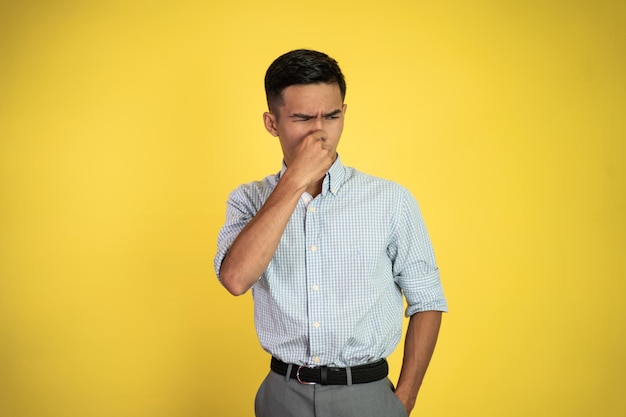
(239, 211)
(414, 267)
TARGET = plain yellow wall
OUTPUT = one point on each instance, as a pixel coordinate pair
(124, 125)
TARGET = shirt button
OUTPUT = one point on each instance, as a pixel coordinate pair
(316, 325)
(313, 248)
(316, 359)
(312, 209)
(315, 288)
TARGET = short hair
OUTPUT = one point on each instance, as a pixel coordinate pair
(300, 67)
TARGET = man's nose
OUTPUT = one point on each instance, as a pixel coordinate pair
(318, 123)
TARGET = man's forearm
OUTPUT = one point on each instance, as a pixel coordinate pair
(253, 249)
(421, 337)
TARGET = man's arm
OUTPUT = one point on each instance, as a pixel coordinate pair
(254, 247)
(421, 337)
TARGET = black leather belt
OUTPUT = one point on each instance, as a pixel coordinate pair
(327, 375)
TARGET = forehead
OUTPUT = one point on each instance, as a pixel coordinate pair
(312, 97)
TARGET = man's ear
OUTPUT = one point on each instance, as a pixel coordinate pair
(270, 123)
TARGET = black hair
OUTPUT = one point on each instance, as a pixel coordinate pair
(300, 67)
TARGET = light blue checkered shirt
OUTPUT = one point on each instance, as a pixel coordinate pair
(332, 293)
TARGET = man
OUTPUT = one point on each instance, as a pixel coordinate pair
(328, 253)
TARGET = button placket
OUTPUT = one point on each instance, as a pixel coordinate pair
(312, 268)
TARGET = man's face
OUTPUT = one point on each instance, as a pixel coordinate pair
(307, 109)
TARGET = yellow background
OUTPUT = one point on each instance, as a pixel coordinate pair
(124, 125)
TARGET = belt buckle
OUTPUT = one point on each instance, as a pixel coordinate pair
(298, 376)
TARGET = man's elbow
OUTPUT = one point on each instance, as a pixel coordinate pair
(232, 284)
(235, 289)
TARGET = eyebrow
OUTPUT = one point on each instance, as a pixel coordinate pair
(309, 116)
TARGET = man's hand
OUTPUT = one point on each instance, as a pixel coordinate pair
(311, 160)
(407, 401)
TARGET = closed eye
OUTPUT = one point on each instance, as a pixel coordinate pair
(300, 117)
(335, 114)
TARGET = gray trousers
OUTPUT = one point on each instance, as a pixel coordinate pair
(279, 396)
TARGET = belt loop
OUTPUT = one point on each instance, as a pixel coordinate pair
(288, 373)
(324, 375)
(348, 376)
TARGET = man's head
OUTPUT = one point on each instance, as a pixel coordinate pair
(305, 93)
(300, 67)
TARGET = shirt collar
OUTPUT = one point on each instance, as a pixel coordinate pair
(334, 178)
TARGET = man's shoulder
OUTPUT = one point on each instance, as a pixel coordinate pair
(256, 187)
(357, 177)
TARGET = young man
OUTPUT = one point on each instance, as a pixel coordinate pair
(328, 253)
